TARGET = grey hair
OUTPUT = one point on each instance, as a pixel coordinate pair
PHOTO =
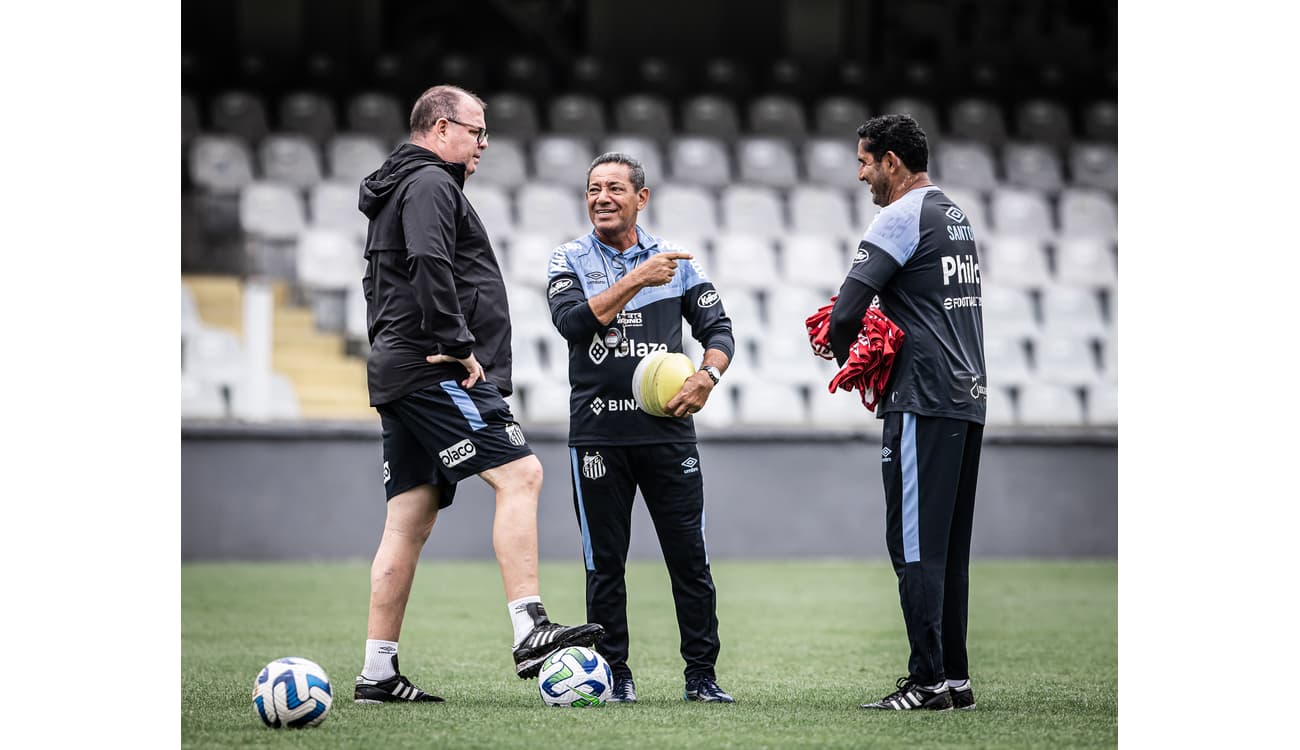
(436, 103)
(617, 157)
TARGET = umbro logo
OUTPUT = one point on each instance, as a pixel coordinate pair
(955, 214)
(690, 465)
(886, 455)
(387, 650)
(596, 275)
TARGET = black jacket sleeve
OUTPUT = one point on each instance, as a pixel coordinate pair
(846, 317)
(431, 211)
(570, 313)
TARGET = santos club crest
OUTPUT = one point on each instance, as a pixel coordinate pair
(593, 467)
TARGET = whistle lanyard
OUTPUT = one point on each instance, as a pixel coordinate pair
(615, 335)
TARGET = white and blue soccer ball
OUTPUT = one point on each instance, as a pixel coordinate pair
(292, 692)
(575, 676)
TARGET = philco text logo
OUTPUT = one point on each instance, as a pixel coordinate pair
(458, 453)
(964, 267)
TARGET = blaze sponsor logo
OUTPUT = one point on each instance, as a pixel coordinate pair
(593, 467)
(708, 299)
(458, 453)
(634, 348)
(690, 465)
(515, 433)
(558, 286)
(597, 351)
(964, 267)
(387, 474)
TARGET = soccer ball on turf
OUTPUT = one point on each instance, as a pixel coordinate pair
(575, 676)
(658, 377)
(292, 692)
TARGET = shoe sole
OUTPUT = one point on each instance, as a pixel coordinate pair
(528, 668)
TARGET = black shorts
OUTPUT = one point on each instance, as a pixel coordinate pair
(442, 434)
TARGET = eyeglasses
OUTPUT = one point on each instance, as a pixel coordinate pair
(479, 133)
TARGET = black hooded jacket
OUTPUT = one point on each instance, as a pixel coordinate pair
(432, 283)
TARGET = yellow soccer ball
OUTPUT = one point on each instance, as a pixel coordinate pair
(658, 377)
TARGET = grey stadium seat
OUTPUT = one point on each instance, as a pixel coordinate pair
(966, 164)
(752, 209)
(1094, 165)
(820, 210)
(493, 205)
(562, 160)
(977, 119)
(777, 115)
(1065, 361)
(1006, 360)
(1088, 213)
(1033, 165)
(1103, 403)
(1008, 311)
(512, 115)
(271, 211)
(838, 117)
(1086, 261)
(643, 114)
(239, 113)
(191, 124)
(378, 114)
(684, 209)
(766, 161)
(504, 163)
(1014, 261)
(551, 210)
(1101, 121)
(1021, 211)
(744, 260)
(1049, 404)
(577, 114)
(220, 164)
(352, 156)
(1045, 121)
(644, 150)
(699, 160)
(832, 162)
(813, 259)
(308, 113)
(291, 159)
(333, 204)
(921, 110)
(1072, 311)
(710, 115)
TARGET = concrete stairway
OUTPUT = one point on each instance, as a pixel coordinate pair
(329, 384)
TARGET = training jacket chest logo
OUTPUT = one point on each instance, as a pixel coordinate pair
(593, 467)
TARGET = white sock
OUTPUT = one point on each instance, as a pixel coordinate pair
(936, 687)
(959, 684)
(521, 618)
(379, 660)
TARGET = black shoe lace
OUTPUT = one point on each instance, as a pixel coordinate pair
(903, 684)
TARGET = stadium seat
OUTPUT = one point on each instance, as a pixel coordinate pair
(528, 368)
(1001, 409)
(578, 115)
(1101, 121)
(562, 160)
(711, 116)
(547, 403)
(592, 75)
(1006, 360)
(1045, 121)
(838, 117)
(530, 314)
(819, 210)
(352, 156)
(787, 77)
(977, 119)
(465, 71)
(1049, 404)
(522, 71)
(770, 404)
(972, 203)
(752, 209)
(1085, 261)
(1008, 311)
(356, 336)
(1073, 311)
(684, 209)
(720, 411)
(504, 163)
(741, 305)
(201, 399)
(1065, 360)
(271, 210)
(1014, 261)
(842, 409)
(308, 113)
(494, 208)
(811, 258)
(744, 260)
(510, 114)
(1032, 165)
(239, 113)
(551, 210)
(1088, 213)
(1094, 165)
(1018, 211)
(333, 205)
(283, 404)
(789, 305)
(1103, 403)
(644, 150)
(777, 115)
(766, 161)
(967, 164)
(290, 159)
(378, 114)
(661, 76)
(727, 77)
(832, 162)
(699, 160)
(864, 209)
(644, 115)
(921, 110)
(328, 262)
(220, 164)
(213, 356)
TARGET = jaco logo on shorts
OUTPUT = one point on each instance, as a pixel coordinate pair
(457, 453)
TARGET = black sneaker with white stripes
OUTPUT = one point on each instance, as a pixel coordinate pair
(547, 636)
(396, 689)
(911, 697)
(963, 698)
(705, 690)
(624, 691)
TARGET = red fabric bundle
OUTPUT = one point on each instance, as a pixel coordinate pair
(871, 357)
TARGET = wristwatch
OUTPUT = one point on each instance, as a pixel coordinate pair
(714, 374)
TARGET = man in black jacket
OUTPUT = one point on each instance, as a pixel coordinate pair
(438, 371)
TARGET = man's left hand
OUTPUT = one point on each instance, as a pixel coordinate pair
(691, 398)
